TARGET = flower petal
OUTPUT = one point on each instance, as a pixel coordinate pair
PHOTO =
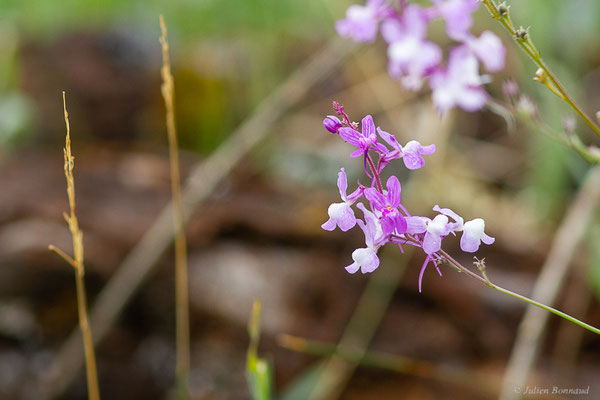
(458, 226)
(350, 135)
(432, 243)
(487, 239)
(416, 224)
(343, 215)
(489, 50)
(389, 138)
(367, 259)
(342, 183)
(368, 126)
(469, 243)
(400, 223)
(360, 24)
(394, 191)
(376, 199)
(352, 268)
(329, 225)
(357, 153)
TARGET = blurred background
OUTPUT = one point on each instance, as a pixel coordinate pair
(257, 234)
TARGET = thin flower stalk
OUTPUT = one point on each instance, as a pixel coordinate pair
(182, 368)
(523, 39)
(78, 266)
(485, 280)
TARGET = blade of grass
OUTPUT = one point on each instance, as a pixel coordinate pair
(258, 371)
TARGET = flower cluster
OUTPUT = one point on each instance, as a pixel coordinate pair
(413, 59)
(385, 219)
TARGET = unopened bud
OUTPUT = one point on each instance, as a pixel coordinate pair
(598, 116)
(569, 124)
(526, 106)
(522, 33)
(510, 88)
(503, 8)
(332, 123)
(540, 75)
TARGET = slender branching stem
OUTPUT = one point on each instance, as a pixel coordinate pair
(524, 41)
(484, 279)
(77, 263)
(182, 317)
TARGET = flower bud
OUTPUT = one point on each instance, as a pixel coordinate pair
(521, 33)
(569, 124)
(332, 123)
(510, 88)
(526, 106)
(598, 116)
(540, 76)
(503, 8)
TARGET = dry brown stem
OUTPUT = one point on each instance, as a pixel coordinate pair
(77, 263)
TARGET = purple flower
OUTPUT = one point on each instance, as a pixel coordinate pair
(460, 84)
(440, 227)
(410, 55)
(363, 140)
(489, 50)
(457, 14)
(341, 214)
(412, 154)
(366, 258)
(332, 123)
(436, 230)
(392, 221)
(473, 235)
(361, 22)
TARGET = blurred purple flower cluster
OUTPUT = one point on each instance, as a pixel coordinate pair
(413, 59)
(386, 220)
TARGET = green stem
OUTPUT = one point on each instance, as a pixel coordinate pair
(487, 282)
(529, 48)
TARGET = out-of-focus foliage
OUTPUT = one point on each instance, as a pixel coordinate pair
(228, 55)
(565, 33)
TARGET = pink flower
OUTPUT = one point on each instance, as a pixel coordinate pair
(361, 22)
(473, 235)
(341, 214)
(410, 55)
(457, 14)
(366, 258)
(460, 84)
(413, 154)
(489, 50)
(364, 140)
(392, 221)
